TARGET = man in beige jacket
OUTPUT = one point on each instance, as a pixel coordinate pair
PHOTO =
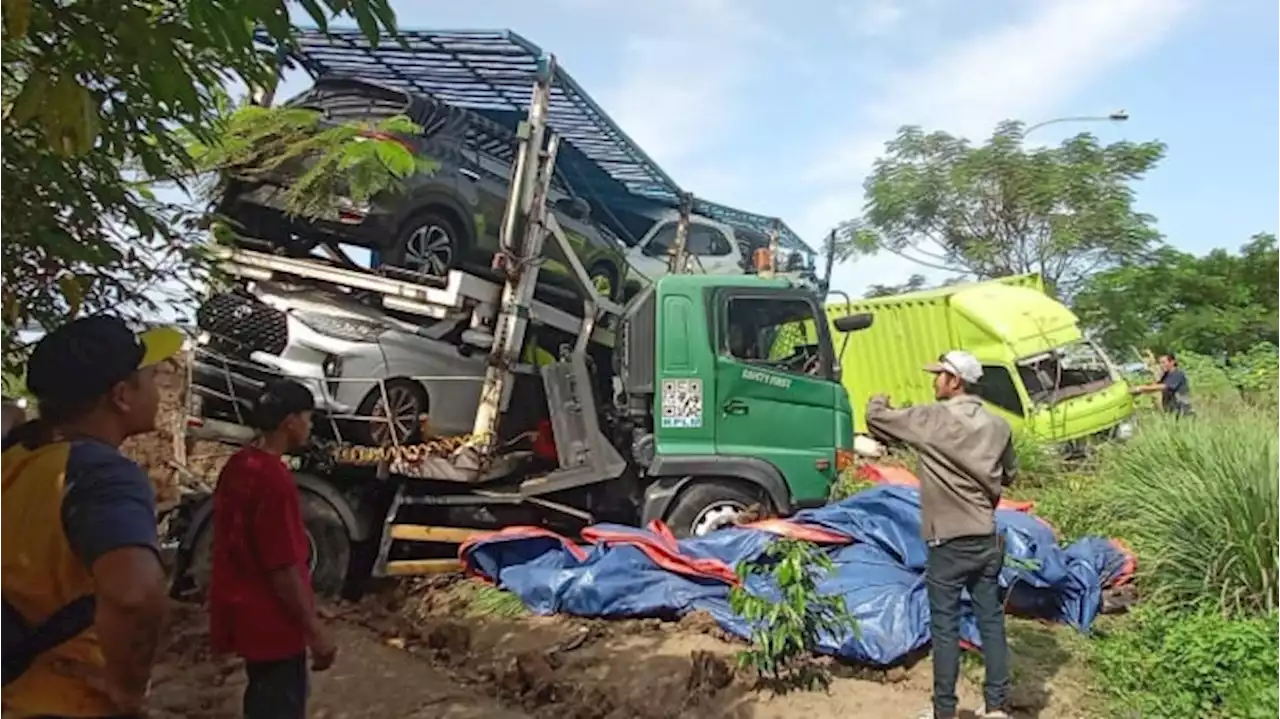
(966, 458)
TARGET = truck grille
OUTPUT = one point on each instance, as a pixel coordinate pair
(238, 324)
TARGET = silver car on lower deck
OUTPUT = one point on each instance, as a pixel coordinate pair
(356, 359)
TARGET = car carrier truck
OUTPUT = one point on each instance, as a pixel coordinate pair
(671, 407)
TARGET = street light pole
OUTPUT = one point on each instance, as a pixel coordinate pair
(1117, 116)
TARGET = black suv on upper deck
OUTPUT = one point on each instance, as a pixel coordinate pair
(440, 221)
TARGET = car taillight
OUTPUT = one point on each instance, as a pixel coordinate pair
(376, 135)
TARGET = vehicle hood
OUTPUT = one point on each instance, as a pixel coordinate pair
(1084, 415)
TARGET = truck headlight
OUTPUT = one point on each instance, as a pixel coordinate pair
(1124, 431)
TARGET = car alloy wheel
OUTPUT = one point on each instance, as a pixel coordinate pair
(429, 250)
(401, 420)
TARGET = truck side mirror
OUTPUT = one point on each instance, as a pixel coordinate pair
(854, 322)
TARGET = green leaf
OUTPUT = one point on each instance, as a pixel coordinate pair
(317, 13)
(367, 22)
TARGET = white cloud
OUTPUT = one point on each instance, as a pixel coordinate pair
(872, 18)
(683, 71)
(1025, 68)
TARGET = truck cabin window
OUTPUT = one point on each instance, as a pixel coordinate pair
(776, 333)
(1068, 371)
(997, 387)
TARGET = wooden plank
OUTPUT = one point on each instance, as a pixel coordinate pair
(426, 533)
(412, 567)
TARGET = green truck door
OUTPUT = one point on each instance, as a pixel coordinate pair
(777, 398)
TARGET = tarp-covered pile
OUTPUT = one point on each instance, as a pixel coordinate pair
(873, 539)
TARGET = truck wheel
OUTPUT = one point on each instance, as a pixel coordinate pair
(707, 505)
(328, 545)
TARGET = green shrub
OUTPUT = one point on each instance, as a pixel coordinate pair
(785, 633)
(1076, 504)
(1039, 462)
(1198, 499)
(1199, 665)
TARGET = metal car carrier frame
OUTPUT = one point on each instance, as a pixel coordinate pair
(499, 315)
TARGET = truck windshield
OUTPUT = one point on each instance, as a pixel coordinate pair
(1068, 371)
(780, 333)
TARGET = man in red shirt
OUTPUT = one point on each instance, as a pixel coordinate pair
(261, 603)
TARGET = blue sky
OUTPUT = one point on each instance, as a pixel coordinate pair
(780, 107)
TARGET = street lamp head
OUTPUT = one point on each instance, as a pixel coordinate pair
(1118, 116)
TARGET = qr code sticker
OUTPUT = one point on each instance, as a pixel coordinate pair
(682, 403)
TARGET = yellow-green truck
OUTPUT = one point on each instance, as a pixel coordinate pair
(1039, 370)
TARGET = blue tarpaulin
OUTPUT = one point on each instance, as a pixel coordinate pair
(872, 538)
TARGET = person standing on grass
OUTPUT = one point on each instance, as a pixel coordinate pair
(260, 599)
(1174, 389)
(85, 593)
(966, 458)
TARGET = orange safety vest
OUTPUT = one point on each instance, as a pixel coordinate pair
(41, 574)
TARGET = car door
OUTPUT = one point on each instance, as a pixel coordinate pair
(777, 396)
(711, 249)
(649, 257)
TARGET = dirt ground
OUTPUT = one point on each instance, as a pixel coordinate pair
(422, 650)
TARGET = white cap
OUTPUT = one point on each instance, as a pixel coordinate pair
(958, 363)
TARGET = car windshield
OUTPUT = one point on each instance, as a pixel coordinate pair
(1068, 371)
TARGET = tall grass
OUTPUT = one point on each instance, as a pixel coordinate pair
(1199, 499)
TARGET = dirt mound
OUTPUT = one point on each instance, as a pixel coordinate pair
(561, 667)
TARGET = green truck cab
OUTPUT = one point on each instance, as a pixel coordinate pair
(1039, 370)
(734, 421)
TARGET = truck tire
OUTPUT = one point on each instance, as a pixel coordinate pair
(709, 504)
(328, 541)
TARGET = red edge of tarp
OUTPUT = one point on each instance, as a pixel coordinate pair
(1130, 562)
(797, 530)
(661, 548)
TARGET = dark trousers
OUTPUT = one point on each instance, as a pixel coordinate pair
(971, 563)
(277, 689)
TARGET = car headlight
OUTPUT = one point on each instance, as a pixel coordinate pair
(351, 329)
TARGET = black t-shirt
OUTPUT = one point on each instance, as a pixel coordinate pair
(1176, 396)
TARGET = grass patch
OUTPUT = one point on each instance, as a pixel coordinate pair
(1165, 664)
(478, 599)
(1200, 502)
(1049, 667)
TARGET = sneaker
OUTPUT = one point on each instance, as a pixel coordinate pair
(928, 714)
(995, 714)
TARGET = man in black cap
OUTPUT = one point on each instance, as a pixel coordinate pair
(261, 604)
(84, 589)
